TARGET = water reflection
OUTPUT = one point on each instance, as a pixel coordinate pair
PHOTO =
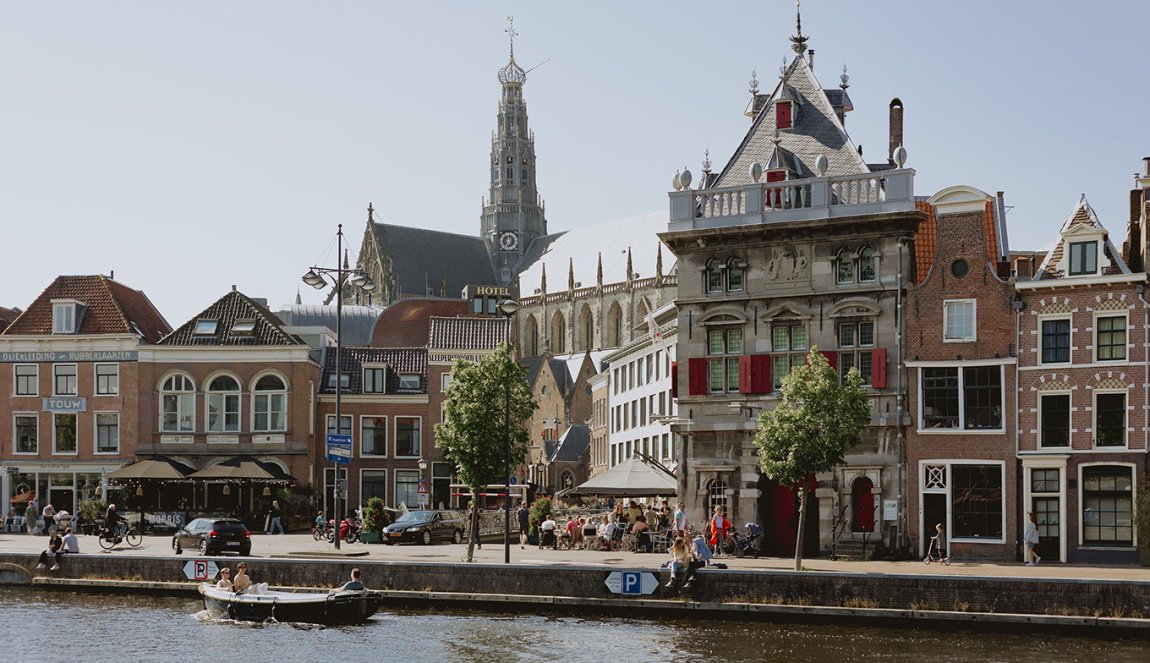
(74, 626)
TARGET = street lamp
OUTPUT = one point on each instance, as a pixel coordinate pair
(507, 307)
(317, 277)
(422, 494)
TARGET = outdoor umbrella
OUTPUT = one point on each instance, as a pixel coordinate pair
(631, 478)
(163, 469)
(239, 469)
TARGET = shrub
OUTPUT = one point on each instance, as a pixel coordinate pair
(376, 516)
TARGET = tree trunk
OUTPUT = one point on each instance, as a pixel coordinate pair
(472, 524)
(802, 526)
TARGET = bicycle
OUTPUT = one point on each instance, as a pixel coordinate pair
(110, 539)
(321, 532)
(934, 554)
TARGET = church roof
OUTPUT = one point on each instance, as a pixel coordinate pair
(816, 130)
(572, 445)
(109, 307)
(580, 248)
(426, 259)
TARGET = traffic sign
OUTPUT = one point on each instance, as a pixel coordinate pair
(200, 569)
(631, 583)
(339, 449)
(422, 487)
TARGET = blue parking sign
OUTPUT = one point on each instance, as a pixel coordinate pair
(339, 449)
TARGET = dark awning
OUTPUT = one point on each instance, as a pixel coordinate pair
(242, 469)
(152, 468)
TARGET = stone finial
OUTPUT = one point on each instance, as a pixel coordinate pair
(630, 273)
(571, 274)
(599, 271)
(543, 280)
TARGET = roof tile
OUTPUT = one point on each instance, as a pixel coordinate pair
(109, 307)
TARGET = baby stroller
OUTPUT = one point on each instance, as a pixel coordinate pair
(749, 541)
(934, 553)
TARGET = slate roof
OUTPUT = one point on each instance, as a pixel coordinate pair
(422, 258)
(227, 310)
(406, 361)
(407, 323)
(359, 322)
(816, 131)
(574, 443)
(580, 249)
(110, 307)
(1082, 215)
(468, 333)
(563, 378)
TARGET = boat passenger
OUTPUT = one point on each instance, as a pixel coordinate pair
(242, 581)
(353, 585)
(225, 581)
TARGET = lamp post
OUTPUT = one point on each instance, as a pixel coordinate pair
(317, 277)
(422, 484)
(507, 307)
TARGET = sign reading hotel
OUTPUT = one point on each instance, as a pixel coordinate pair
(14, 357)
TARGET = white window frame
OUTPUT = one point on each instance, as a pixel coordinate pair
(382, 369)
(395, 435)
(1070, 243)
(1082, 504)
(385, 429)
(1098, 315)
(1125, 420)
(64, 316)
(395, 486)
(115, 374)
(386, 482)
(96, 433)
(330, 430)
(185, 405)
(1069, 431)
(962, 429)
(15, 440)
(211, 395)
(56, 375)
(406, 378)
(1070, 351)
(949, 463)
(56, 439)
(265, 408)
(445, 382)
(35, 379)
(973, 321)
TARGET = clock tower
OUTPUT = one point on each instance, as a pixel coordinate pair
(513, 213)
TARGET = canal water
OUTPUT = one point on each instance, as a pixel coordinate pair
(39, 625)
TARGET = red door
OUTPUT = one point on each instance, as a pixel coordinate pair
(862, 505)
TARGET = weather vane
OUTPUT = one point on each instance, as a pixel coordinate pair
(511, 33)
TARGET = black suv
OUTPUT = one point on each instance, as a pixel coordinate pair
(212, 536)
(426, 527)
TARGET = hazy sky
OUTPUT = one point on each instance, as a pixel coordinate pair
(189, 146)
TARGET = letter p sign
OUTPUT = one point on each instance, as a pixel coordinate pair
(632, 583)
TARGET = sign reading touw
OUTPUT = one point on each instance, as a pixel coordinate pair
(200, 569)
(631, 583)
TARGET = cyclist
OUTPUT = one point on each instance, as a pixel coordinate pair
(114, 523)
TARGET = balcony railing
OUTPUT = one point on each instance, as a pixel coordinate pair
(794, 200)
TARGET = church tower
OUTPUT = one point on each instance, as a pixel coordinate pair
(513, 213)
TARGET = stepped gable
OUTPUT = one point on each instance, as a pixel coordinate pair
(109, 307)
(407, 323)
(399, 361)
(424, 259)
(468, 333)
(227, 311)
(1082, 217)
(816, 130)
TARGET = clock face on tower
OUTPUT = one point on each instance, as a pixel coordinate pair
(508, 241)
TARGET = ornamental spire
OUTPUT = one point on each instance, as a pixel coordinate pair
(798, 42)
(512, 72)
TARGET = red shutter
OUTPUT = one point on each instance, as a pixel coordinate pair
(674, 379)
(776, 176)
(783, 115)
(832, 359)
(697, 376)
(755, 374)
(878, 369)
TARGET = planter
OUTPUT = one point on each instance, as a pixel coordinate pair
(371, 537)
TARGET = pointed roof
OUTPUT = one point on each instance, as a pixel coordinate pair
(1082, 218)
(109, 307)
(816, 130)
(257, 326)
(425, 260)
(572, 444)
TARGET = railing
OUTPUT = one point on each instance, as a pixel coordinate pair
(588, 293)
(813, 198)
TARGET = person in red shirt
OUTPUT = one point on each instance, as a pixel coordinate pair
(720, 528)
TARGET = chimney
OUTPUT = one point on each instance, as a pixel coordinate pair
(1024, 267)
(895, 126)
(811, 58)
(1145, 166)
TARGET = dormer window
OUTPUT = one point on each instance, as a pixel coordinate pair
(64, 316)
(1083, 258)
(206, 327)
(784, 114)
(409, 381)
(243, 327)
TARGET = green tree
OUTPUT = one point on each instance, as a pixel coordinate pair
(472, 433)
(817, 420)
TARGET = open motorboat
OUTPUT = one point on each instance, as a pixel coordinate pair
(259, 604)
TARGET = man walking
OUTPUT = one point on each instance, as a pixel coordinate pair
(524, 524)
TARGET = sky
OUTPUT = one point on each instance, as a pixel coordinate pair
(189, 147)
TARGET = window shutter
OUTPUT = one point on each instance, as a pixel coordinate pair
(755, 374)
(832, 359)
(878, 369)
(783, 115)
(697, 376)
(674, 379)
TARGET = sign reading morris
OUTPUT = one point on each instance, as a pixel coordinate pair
(119, 355)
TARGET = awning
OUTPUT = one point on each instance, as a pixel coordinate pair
(242, 469)
(164, 469)
(23, 497)
(631, 478)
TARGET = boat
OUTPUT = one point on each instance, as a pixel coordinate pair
(258, 604)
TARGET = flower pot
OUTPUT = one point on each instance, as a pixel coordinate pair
(370, 537)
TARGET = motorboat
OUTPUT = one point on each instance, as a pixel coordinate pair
(259, 604)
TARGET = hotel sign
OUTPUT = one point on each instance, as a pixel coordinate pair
(12, 357)
(58, 404)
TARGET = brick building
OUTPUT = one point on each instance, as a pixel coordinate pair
(960, 359)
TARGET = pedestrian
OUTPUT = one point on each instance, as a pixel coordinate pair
(49, 515)
(31, 516)
(522, 516)
(680, 520)
(353, 585)
(276, 518)
(1030, 541)
(939, 541)
(720, 527)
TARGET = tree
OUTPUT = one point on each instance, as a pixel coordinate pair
(817, 420)
(473, 429)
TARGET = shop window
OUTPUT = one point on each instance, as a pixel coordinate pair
(976, 501)
(1107, 506)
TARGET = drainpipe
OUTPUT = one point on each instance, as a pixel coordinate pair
(1140, 290)
(902, 488)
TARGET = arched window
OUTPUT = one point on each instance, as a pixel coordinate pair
(224, 405)
(714, 275)
(844, 267)
(531, 337)
(614, 330)
(177, 405)
(586, 336)
(735, 274)
(558, 334)
(868, 265)
(269, 403)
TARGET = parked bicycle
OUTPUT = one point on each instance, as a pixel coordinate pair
(111, 538)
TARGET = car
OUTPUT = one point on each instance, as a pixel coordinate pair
(212, 536)
(426, 527)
